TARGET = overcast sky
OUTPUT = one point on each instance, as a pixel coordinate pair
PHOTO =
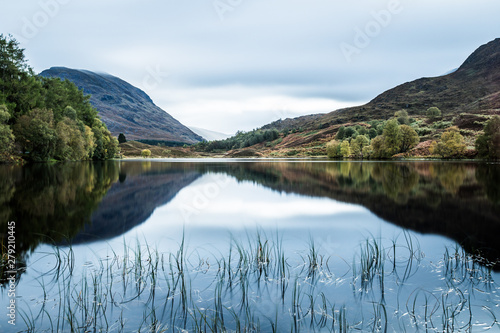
(228, 65)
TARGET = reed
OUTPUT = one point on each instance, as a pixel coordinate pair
(256, 287)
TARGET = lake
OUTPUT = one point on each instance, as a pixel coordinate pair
(250, 245)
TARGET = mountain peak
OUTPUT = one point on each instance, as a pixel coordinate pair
(485, 58)
(125, 108)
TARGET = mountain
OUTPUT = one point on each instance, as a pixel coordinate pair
(210, 135)
(125, 108)
(473, 88)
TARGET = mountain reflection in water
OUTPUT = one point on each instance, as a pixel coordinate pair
(84, 202)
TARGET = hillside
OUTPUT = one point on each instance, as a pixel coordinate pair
(474, 88)
(125, 108)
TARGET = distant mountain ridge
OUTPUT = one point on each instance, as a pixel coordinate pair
(210, 135)
(125, 108)
(473, 88)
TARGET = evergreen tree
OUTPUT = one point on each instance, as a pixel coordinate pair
(340, 133)
(122, 138)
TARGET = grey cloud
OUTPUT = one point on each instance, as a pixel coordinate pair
(288, 47)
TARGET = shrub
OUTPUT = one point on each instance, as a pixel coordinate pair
(145, 153)
(433, 113)
(451, 144)
(402, 117)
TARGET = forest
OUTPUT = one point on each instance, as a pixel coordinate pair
(46, 119)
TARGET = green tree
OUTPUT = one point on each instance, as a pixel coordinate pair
(378, 147)
(402, 117)
(6, 135)
(433, 113)
(340, 133)
(358, 144)
(333, 149)
(409, 138)
(122, 138)
(372, 133)
(70, 143)
(451, 144)
(36, 134)
(488, 144)
(345, 149)
(146, 153)
(392, 137)
(50, 118)
(350, 132)
(20, 89)
(367, 151)
(105, 145)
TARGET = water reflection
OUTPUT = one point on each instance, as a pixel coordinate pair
(87, 201)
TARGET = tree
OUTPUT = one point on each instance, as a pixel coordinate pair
(350, 132)
(358, 144)
(392, 137)
(367, 151)
(488, 144)
(340, 133)
(433, 113)
(6, 135)
(122, 138)
(402, 117)
(333, 149)
(452, 144)
(36, 134)
(409, 138)
(20, 89)
(345, 149)
(70, 144)
(372, 133)
(378, 147)
(106, 146)
(145, 153)
(49, 117)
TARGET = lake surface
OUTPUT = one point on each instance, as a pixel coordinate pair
(251, 245)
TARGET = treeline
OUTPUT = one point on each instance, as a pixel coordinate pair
(240, 140)
(399, 135)
(162, 143)
(45, 119)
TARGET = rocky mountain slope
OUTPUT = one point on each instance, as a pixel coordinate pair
(125, 108)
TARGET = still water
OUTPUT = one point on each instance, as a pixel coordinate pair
(251, 245)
